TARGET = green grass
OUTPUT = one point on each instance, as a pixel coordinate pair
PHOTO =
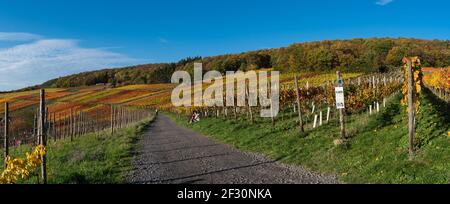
(90, 159)
(375, 153)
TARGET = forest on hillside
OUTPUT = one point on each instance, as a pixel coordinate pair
(362, 55)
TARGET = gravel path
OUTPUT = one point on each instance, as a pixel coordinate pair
(177, 155)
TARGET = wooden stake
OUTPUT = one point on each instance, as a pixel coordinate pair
(35, 126)
(341, 111)
(97, 122)
(6, 131)
(71, 125)
(411, 108)
(42, 135)
(250, 112)
(300, 118)
(315, 121)
(112, 119)
(328, 114)
(54, 127)
(320, 119)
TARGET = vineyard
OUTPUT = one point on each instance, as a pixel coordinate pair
(316, 98)
(60, 122)
(364, 93)
(307, 105)
(70, 111)
(382, 142)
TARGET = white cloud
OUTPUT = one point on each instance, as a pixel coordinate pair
(10, 36)
(384, 2)
(36, 62)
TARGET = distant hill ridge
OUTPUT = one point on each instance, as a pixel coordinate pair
(362, 55)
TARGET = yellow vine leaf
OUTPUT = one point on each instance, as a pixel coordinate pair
(21, 168)
(417, 83)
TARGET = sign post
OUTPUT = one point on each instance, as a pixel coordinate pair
(340, 102)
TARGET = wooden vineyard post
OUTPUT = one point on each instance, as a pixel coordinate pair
(250, 112)
(62, 125)
(123, 118)
(320, 119)
(328, 114)
(54, 126)
(91, 124)
(75, 124)
(78, 124)
(129, 121)
(58, 127)
(411, 106)
(71, 125)
(88, 125)
(315, 121)
(126, 115)
(112, 119)
(66, 125)
(340, 104)
(122, 114)
(47, 122)
(129, 117)
(118, 115)
(6, 131)
(42, 134)
(83, 123)
(300, 118)
(35, 124)
(412, 86)
(97, 123)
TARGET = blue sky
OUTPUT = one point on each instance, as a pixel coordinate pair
(40, 40)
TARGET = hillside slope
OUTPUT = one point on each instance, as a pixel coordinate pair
(356, 55)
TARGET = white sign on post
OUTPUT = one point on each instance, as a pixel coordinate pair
(340, 101)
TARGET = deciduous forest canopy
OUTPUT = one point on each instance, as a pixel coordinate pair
(362, 55)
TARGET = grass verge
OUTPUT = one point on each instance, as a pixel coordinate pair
(90, 159)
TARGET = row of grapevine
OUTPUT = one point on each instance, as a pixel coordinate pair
(317, 103)
(438, 81)
(72, 123)
(61, 125)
